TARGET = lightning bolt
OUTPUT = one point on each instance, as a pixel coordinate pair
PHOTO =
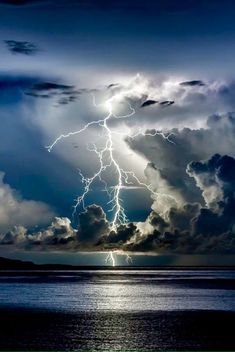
(110, 259)
(107, 159)
(128, 259)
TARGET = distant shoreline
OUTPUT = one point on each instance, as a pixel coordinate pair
(9, 265)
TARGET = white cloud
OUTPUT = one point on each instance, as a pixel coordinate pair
(14, 210)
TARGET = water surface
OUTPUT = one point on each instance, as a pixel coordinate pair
(117, 310)
(120, 290)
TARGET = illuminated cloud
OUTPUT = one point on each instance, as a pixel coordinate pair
(169, 142)
(190, 228)
(14, 210)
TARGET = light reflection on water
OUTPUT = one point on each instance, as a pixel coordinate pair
(121, 291)
(117, 311)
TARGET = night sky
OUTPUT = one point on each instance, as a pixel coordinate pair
(163, 74)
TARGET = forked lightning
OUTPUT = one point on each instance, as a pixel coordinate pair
(107, 160)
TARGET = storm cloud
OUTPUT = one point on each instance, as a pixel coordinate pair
(182, 229)
(93, 224)
(193, 200)
(172, 124)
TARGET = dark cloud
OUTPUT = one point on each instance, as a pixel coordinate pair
(19, 47)
(93, 225)
(193, 228)
(216, 179)
(35, 85)
(148, 102)
(118, 238)
(183, 229)
(65, 94)
(186, 227)
(113, 85)
(146, 243)
(19, 3)
(44, 86)
(37, 88)
(180, 218)
(193, 196)
(196, 212)
(157, 221)
(167, 102)
(194, 83)
(15, 2)
(48, 89)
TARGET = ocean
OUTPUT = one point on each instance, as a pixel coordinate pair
(117, 310)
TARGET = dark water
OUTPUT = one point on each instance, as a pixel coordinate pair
(118, 310)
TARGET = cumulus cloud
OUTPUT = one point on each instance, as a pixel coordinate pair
(180, 228)
(192, 189)
(59, 234)
(191, 227)
(117, 239)
(14, 210)
(172, 103)
(168, 161)
(14, 236)
(93, 224)
(186, 104)
(193, 201)
(216, 179)
(191, 108)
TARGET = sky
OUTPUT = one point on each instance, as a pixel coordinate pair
(117, 131)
